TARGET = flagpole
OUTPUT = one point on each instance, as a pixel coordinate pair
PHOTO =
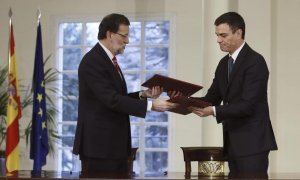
(9, 41)
(39, 14)
(13, 109)
(10, 15)
(39, 147)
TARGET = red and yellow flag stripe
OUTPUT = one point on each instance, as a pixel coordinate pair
(13, 112)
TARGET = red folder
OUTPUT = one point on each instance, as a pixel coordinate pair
(171, 84)
(185, 102)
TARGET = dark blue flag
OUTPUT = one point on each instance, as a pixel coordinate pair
(39, 137)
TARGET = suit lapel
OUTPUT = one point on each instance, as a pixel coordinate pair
(237, 64)
(124, 86)
(119, 80)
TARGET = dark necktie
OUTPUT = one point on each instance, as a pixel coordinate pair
(230, 65)
(114, 60)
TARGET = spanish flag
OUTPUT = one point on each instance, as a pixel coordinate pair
(13, 111)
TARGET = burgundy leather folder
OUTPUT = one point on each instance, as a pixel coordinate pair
(185, 102)
(171, 84)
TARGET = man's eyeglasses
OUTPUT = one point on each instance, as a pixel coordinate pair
(122, 35)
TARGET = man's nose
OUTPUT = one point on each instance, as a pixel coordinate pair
(219, 39)
(126, 40)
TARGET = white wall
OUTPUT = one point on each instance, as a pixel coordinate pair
(285, 83)
(272, 30)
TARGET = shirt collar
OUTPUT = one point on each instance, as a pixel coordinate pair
(236, 53)
(110, 55)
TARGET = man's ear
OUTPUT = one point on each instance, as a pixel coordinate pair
(108, 34)
(239, 32)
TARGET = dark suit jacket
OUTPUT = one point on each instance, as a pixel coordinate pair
(244, 112)
(103, 127)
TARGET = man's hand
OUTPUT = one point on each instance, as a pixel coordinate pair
(173, 94)
(202, 112)
(154, 92)
(162, 105)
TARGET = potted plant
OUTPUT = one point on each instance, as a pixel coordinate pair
(51, 75)
(3, 103)
(3, 135)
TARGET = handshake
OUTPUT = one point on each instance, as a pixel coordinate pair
(178, 92)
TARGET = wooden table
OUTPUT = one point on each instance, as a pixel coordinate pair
(52, 175)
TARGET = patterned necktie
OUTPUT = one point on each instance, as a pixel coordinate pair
(114, 60)
(230, 65)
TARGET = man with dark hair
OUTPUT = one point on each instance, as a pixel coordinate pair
(241, 82)
(103, 138)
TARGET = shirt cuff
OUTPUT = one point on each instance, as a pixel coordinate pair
(214, 108)
(140, 95)
(149, 105)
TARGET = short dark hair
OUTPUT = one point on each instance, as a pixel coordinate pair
(111, 23)
(234, 20)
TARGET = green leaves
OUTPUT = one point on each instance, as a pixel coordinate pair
(51, 77)
(3, 104)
